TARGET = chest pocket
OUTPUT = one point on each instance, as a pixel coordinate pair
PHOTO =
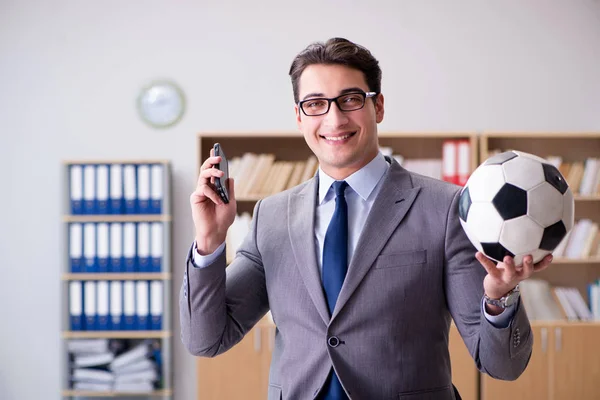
(401, 259)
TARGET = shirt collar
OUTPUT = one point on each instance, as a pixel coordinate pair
(362, 181)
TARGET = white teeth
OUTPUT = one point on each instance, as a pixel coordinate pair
(337, 138)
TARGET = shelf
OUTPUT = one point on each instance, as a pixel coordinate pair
(125, 276)
(592, 197)
(564, 323)
(116, 334)
(85, 393)
(542, 135)
(561, 260)
(118, 218)
(100, 161)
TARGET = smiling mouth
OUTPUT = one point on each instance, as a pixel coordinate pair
(338, 138)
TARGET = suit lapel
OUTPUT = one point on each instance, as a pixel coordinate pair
(393, 201)
(301, 217)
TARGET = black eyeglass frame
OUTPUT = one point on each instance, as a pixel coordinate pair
(365, 96)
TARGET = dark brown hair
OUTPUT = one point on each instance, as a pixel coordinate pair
(337, 51)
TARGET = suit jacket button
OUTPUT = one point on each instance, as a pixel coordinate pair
(333, 341)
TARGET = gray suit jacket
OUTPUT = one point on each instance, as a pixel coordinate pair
(413, 271)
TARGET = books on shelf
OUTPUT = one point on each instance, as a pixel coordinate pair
(581, 242)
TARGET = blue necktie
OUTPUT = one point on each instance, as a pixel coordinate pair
(335, 265)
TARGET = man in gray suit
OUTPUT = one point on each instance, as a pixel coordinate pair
(363, 266)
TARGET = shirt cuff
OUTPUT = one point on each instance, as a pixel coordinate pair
(501, 320)
(200, 261)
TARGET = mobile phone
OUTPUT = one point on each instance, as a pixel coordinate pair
(221, 183)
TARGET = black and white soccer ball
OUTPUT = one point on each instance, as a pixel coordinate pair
(516, 204)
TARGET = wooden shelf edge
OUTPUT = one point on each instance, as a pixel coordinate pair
(564, 323)
(117, 276)
(118, 218)
(85, 393)
(542, 135)
(561, 260)
(593, 197)
(116, 334)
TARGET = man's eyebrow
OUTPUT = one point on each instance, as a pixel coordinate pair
(344, 91)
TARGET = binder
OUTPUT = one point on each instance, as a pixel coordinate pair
(116, 305)
(129, 321)
(143, 188)
(89, 246)
(143, 247)
(129, 189)
(156, 305)
(102, 188)
(117, 202)
(76, 188)
(156, 189)
(142, 306)
(116, 247)
(102, 305)
(89, 305)
(463, 161)
(129, 250)
(76, 306)
(76, 247)
(449, 162)
(102, 240)
(156, 246)
(89, 189)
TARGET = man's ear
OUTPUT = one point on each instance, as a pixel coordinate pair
(298, 117)
(379, 109)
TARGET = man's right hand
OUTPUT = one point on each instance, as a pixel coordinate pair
(212, 217)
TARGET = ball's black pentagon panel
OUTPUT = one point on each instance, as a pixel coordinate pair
(552, 236)
(500, 158)
(510, 201)
(464, 202)
(496, 251)
(554, 177)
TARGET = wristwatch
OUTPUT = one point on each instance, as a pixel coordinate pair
(505, 301)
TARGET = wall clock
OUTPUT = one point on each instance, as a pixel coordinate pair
(161, 104)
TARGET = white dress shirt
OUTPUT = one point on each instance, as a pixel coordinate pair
(363, 186)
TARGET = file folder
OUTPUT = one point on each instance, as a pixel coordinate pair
(143, 188)
(89, 189)
(156, 246)
(142, 305)
(129, 247)
(156, 305)
(76, 247)
(143, 247)
(102, 305)
(129, 306)
(76, 189)
(89, 305)
(116, 305)
(117, 202)
(156, 189)
(102, 188)
(76, 306)
(102, 240)
(116, 247)
(129, 189)
(89, 246)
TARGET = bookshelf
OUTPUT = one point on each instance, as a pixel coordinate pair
(255, 349)
(139, 198)
(565, 363)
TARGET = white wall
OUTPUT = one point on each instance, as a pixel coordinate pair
(70, 72)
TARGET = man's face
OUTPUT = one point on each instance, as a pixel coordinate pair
(343, 141)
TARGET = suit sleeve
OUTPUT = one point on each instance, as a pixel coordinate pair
(502, 353)
(219, 304)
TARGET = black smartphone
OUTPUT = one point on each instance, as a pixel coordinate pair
(221, 183)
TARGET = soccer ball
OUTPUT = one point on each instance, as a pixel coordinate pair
(516, 204)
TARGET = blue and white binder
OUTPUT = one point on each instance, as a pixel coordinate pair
(89, 189)
(116, 305)
(129, 247)
(102, 305)
(156, 305)
(76, 247)
(102, 189)
(156, 246)
(116, 248)
(90, 309)
(156, 189)
(143, 188)
(76, 188)
(89, 247)
(129, 312)
(142, 305)
(102, 241)
(130, 189)
(76, 306)
(117, 202)
(143, 247)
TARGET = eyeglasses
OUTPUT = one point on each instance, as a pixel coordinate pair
(345, 102)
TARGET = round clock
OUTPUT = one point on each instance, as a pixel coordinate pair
(161, 104)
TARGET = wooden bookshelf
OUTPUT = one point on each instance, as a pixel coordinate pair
(83, 393)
